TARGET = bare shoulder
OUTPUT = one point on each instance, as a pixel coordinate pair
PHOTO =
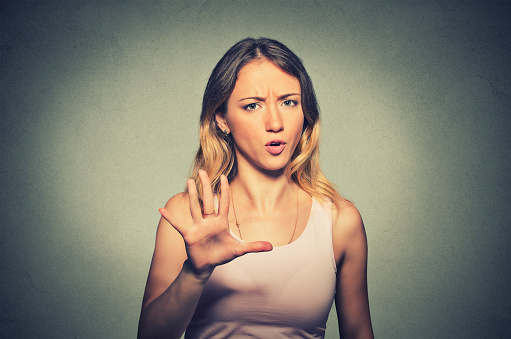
(346, 218)
(177, 203)
(167, 236)
(179, 207)
(347, 230)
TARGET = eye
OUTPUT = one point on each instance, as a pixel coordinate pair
(290, 103)
(251, 107)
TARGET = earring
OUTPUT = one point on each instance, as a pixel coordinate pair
(226, 132)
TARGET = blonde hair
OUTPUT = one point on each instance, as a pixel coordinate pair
(216, 154)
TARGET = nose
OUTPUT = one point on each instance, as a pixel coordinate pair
(274, 121)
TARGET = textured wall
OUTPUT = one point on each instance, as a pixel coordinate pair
(99, 107)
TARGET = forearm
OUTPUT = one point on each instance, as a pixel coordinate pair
(169, 314)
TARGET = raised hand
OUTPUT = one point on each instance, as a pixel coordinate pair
(208, 240)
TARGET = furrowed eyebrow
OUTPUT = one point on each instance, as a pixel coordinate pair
(253, 98)
(288, 95)
(283, 96)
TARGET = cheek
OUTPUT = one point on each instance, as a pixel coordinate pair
(242, 131)
(237, 127)
(299, 126)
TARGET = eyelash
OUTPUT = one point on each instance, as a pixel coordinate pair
(292, 102)
(246, 107)
(287, 103)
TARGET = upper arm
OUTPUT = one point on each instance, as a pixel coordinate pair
(350, 246)
(169, 250)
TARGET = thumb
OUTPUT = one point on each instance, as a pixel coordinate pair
(253, 247)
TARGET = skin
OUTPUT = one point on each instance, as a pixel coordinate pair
(265, 105)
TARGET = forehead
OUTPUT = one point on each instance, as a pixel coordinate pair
(261, 76)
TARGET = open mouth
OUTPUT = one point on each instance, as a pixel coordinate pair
(275, 143)
(275, 147)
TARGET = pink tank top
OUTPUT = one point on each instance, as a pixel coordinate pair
(285, 293)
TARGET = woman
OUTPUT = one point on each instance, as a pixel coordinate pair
(260, 243)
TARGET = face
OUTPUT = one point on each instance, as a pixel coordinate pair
(264, 115)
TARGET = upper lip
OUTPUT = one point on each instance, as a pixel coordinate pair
(276, 141)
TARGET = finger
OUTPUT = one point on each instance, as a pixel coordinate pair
(253, 247)
(223, 208)
(166, 215)
(207, 194)
(194, 201)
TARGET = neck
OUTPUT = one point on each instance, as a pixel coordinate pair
(263, 192)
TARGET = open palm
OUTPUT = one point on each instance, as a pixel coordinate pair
(208, 239)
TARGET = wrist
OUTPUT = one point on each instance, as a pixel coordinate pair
(200, 275)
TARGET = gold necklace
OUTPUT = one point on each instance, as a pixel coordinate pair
(238, 224)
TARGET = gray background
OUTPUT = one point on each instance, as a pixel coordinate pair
(99, 113)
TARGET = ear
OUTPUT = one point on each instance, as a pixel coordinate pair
(222, 122)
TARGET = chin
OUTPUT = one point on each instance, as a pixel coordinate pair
(270, 165)
(276, 168)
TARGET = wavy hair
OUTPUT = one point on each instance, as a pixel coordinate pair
(216, 154)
